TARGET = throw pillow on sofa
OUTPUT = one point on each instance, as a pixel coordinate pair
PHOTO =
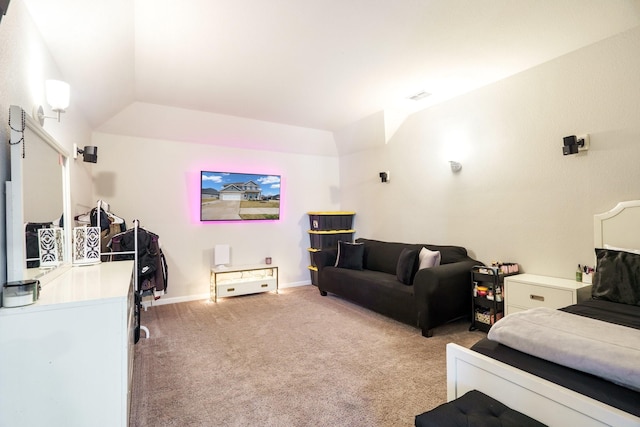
(350, 255)
(428, 258)
(406, 266)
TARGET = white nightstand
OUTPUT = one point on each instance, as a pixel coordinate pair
(524, 291)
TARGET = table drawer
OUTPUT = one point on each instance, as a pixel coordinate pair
(247, 287)
(532, 296)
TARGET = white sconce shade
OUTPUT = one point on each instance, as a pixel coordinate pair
(57, 95)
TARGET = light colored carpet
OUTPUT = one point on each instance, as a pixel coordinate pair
(288, 359)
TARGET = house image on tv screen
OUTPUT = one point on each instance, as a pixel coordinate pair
(241, 191)
(239, 196)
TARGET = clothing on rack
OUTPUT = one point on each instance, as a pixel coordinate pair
(109, 223)
(152, 265)
(104, 220)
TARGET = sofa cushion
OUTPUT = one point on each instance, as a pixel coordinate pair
(428, 258)
(373, 285)
(350, 255)
(383, 256)
(377, 291)
(406, 267)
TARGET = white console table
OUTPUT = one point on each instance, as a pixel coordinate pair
(67, 359)
(242, 280)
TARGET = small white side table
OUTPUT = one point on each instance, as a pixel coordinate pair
(242, 280)
(524, 291)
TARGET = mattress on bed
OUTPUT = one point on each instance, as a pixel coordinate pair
(592, 386)
(612, 312)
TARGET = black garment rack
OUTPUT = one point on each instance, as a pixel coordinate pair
(136, 285)
(136, 289)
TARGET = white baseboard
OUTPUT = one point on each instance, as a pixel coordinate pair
(295, 284)
(173, 300)
(199, 297)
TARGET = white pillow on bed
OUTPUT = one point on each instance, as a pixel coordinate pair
(613, 248)
(428, 258)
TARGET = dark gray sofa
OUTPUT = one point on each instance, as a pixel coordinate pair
(432, 297)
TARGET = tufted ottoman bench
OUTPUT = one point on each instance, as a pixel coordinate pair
(474, 409)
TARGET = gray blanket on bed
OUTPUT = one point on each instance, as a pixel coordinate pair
(604, 349)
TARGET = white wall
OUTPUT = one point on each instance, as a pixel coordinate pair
(179, 124)
(158, 182)
(517, 197)
(24, 66)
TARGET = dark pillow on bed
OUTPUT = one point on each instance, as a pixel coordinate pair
(617, 277)
(350, 255)
(406, 267)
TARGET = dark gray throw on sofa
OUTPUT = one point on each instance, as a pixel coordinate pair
(388, 281)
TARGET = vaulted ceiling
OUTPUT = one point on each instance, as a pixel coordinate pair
(320, 64)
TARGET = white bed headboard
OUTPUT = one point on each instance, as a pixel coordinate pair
(620, 227)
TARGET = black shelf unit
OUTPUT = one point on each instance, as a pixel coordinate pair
(326, 228)
(486, 310)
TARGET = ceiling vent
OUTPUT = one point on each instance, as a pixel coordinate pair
(419, 96)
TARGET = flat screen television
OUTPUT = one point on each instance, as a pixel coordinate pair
(231, 196)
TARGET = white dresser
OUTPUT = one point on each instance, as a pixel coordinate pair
(524, 291)
(67, 359)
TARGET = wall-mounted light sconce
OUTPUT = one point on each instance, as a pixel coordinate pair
(455, 166)
(57, 93)
(573, 144)
(384, 176)
(89, 153)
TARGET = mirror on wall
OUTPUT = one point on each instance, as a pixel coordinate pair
(38, 193)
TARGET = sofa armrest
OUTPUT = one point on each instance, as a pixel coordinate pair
(443, 293)
(324, 258)
(429, 281)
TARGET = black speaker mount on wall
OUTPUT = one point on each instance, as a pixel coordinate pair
(573, 144)
(89, 153)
